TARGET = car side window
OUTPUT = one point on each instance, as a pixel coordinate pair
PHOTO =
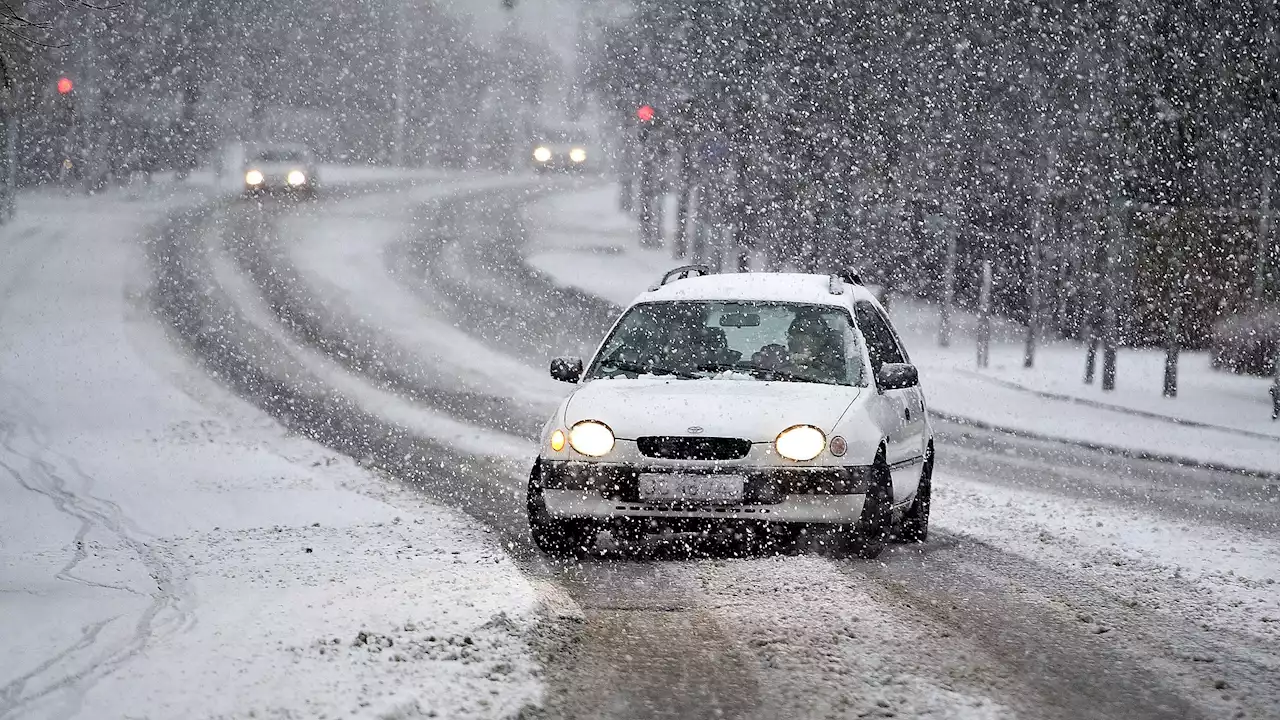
(882, 342)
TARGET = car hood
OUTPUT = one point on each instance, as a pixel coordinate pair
(750, 409)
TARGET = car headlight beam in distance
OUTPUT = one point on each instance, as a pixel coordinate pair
(296, 178)
(800, 443)
(253, 177)
(542, 154)
(578, 155)
(591, 438)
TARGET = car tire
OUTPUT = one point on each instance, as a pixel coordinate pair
(915, 522)
(870, 536)
(558, 537)
(865, 539)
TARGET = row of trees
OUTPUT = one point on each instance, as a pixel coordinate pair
(162, 84)
(1112, 159)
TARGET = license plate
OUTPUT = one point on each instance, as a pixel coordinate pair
(673, 487)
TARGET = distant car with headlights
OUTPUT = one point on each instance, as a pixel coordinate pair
(777, 405)
(561, 151)
(280, 168)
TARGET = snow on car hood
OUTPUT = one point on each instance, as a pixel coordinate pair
(749, 409)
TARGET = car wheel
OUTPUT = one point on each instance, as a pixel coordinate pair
(871, 534)
(560, 537)
(915, 523)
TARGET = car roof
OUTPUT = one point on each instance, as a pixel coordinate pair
(757, 286)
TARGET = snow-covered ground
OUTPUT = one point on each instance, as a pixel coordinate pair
(167, 550)
(582, 240)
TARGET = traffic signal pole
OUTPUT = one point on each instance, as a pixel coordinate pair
(683, 203)
(627, 172)
(646, 148)
(649, 236)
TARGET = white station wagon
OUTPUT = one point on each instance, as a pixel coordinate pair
(782, 402)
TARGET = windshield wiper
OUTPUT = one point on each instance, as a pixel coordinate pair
(639, 369)
(763, 373)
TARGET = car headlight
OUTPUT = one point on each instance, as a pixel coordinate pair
(253, 177)
(578, 155)
(591, 438)
(800, 443)
(297, 177)
(542, 154)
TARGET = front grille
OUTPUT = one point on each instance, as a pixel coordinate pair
(693, 448)
(763, 486)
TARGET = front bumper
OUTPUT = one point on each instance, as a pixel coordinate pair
(281, 187)
(556, 165)
(795, 494)
(792, 508)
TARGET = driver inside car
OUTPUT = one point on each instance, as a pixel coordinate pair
(814, 350)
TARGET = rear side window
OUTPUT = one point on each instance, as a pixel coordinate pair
(882, 342)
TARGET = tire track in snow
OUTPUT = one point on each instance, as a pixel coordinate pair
(168, 607)
(251, 240)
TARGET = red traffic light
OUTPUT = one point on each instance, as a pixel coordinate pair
(645, 113)
(65, 85)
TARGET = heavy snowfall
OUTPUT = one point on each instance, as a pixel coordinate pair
(281, 285)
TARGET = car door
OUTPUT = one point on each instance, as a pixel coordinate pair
(902, 411)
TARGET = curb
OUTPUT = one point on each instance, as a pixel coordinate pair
(1109, 449)
(1119, 409)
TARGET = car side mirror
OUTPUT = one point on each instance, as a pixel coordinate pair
(896, 376)
(567, 369)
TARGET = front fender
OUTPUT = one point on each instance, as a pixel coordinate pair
(863, 428)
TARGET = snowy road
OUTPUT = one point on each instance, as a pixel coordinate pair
(399, 326)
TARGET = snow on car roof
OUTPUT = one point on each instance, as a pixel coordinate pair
(767, 287)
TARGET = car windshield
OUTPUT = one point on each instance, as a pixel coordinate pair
(277, 155)
(788, 342)
(557, 136)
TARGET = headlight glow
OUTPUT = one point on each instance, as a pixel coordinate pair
(297, 177)
(253, 177)
(542, 154)
(800, 443)
(578, 155)
(557, 440)
(591, 438)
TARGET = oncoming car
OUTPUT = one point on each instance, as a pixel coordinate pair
(561, 151)
(780, 402)
(280, 168)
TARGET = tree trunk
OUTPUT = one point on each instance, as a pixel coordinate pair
(984, 316)
(948, 286)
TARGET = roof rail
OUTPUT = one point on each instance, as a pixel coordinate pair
(838, 279)
(680, 273)
(851, 276)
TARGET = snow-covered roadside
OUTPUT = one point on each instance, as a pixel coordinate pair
(168, 551)
(581, 240)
